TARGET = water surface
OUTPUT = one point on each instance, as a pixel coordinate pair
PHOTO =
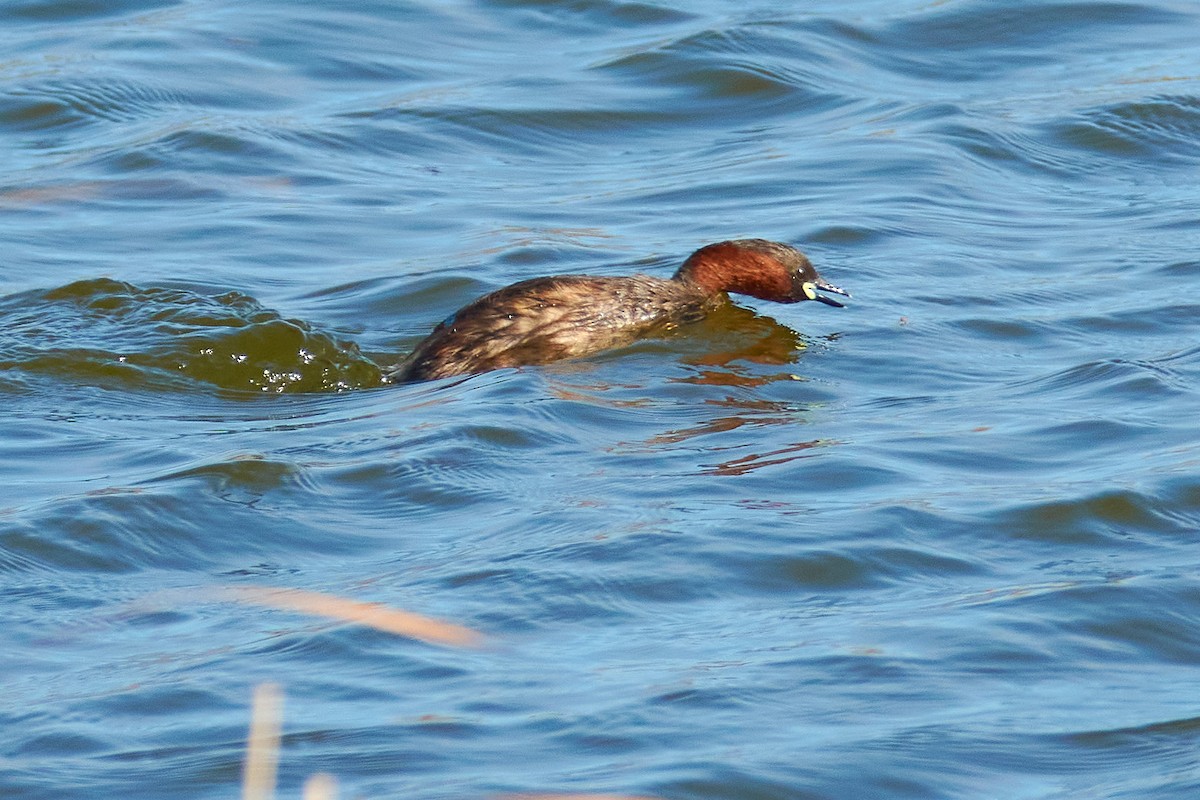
(939, 544)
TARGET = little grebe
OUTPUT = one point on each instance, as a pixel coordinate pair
(567, 316)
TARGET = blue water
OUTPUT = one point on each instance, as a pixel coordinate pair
(942, 543)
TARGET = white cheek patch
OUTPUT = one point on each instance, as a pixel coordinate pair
(810, 290)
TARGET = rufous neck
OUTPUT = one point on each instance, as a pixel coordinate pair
(726, 267)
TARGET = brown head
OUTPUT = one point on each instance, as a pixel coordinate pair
(759, 268)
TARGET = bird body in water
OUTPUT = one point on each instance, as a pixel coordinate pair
(541, 320)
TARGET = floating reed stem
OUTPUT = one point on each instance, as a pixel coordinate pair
(262, 745)
(321, 786)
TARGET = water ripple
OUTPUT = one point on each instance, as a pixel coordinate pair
(114, 333)
(932, 46)
(1164, 129)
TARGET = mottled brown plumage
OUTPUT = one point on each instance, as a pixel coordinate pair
(569, 316)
